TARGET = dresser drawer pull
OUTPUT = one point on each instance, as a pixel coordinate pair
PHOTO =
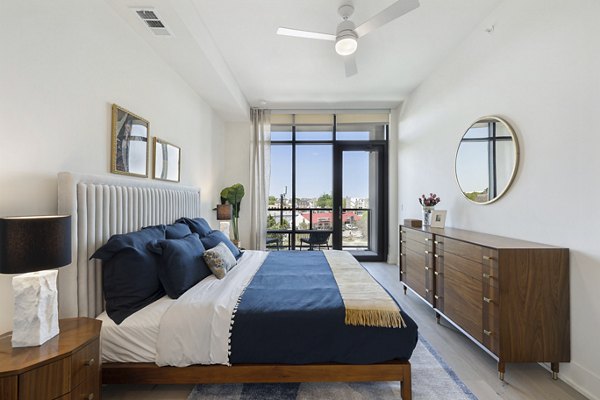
(90, 362)
(488, 258)
(437, 256)
(427, 290)
(426, 268)
(487, 300)
(487, 276)
(403, 241)
(487, 333)
(438, 273)
(402, 254)
(404, 232)
(402, 272)
(427, 239)
(437, 297)
(438, 242)
(427, 252)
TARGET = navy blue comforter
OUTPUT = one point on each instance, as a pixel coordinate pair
(292, 313)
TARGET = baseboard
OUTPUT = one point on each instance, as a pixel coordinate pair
(585, 382)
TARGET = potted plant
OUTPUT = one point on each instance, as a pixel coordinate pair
(233, 195)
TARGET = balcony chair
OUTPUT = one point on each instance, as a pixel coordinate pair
(316, 239)
(273, 243)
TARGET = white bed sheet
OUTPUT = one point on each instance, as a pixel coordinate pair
(134, 340)
(138, 337)
(196, 328)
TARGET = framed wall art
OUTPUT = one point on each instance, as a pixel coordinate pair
(129, 150)
(167, 160)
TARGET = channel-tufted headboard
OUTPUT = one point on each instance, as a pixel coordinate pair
(102, 206)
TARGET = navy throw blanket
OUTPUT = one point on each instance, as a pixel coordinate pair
(292, 313)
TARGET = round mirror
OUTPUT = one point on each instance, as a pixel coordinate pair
(486, 160)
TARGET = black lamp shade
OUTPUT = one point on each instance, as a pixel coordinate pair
(30, 244)
(224, 212)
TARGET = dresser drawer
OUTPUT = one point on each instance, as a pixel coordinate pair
(491, 327)
(438, 275)
(9, 388)
(438, 243)
(467, 267)
(46, 382)
(466, 250)
(87, 390)
(84, 363)
(413, 272)
(490, 272)
(419, 247)
(463, 300)
(417, 236)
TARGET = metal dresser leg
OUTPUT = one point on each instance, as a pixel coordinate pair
(554, 368)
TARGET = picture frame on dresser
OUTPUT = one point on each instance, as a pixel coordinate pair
(129, 143)
(438, 218)
(166, 160)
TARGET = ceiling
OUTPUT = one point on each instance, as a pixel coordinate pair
(228, 50)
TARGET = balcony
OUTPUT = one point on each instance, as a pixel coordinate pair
(287, 226)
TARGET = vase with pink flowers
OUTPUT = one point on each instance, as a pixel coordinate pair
(428, 204)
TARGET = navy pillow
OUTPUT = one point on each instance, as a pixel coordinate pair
(215, 237)
(178, 230)
(197, 225)
(181, 263)
(130, 272)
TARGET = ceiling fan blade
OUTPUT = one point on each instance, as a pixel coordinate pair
(350, 65)
(305, 34)
(394, 11)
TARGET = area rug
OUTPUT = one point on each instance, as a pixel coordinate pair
(432, 379)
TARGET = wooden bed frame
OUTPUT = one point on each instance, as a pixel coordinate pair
(149, 373)
(101, 206)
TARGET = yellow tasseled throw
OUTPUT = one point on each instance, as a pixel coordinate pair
(366, 302)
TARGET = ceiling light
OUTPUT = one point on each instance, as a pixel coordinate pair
(345, 45)
(345, 38)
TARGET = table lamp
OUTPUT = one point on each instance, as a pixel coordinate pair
(32, 246)
(224, 212)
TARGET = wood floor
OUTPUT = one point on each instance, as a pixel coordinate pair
(476, 369)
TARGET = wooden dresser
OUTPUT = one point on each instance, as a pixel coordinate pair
(65, 367)
(509, 296)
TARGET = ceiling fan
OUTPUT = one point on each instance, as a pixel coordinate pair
(347, 34)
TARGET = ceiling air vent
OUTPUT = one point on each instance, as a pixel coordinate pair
(152, 21)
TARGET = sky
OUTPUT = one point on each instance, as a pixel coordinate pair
(314, 171)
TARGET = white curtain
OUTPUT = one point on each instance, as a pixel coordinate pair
(260, 176)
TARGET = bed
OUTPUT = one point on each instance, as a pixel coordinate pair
(103, 206)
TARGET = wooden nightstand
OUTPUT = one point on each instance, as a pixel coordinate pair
(65, 367)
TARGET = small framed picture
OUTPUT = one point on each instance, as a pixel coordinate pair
(167, 161)
(438, 218)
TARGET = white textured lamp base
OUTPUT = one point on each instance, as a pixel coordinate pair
(36, 308)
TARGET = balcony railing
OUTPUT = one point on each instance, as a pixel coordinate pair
(287, 230)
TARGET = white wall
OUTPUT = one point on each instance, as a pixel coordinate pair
(237, 170)
(540, 69)
(62, 65)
